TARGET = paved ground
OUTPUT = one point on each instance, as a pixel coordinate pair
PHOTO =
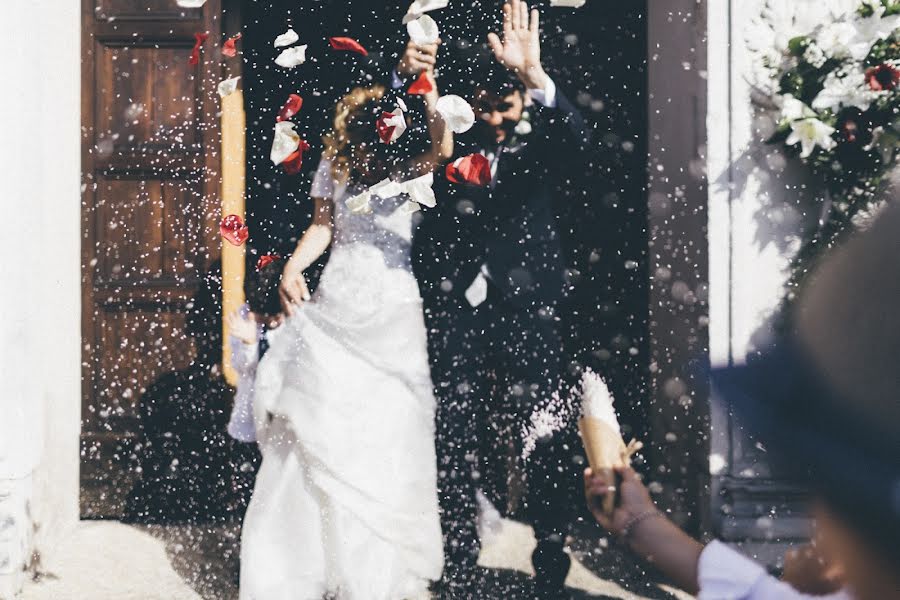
(111, 561)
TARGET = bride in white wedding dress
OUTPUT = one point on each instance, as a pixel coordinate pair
(345, 504)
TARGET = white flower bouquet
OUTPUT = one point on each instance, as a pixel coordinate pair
(838, 90)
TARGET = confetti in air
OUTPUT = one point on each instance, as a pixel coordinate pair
(546, 421)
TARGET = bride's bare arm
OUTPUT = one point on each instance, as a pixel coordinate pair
(293, 290)
(441, 149)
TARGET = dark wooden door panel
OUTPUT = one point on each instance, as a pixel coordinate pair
(148, 96)
(150, 213)
(144, 10)
(164, 215)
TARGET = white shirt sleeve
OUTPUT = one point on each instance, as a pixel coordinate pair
(244, 358)
(546, 96)
(323, 181)
(725, 574)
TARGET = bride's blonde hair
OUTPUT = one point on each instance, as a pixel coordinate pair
(339, 144)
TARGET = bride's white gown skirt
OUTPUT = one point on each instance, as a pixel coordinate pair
(345, 503)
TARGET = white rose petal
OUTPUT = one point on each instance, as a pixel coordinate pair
(285, 142)
(287, 38)
(228, 87)
(292, 57)
(423, 31)
(420, 190)
(456, 112)
(420, 7)
(402, 105)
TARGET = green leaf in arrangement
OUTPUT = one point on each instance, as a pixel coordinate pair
(797, 46)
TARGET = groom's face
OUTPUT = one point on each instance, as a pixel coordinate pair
(497, 115)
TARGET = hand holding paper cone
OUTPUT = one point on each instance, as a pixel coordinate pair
(605, 450)
(600, 434)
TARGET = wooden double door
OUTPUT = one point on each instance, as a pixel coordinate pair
(150, 181)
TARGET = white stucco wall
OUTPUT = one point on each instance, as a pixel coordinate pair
(758, 200)
(40, 62)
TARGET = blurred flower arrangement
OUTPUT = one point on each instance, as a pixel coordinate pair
(837, 85)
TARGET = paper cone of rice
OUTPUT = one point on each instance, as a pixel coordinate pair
(605, 450)
(600, 432)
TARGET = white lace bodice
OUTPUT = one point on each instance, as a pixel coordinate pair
(388, 228)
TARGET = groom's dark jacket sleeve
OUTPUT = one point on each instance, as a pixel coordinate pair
(511, 227)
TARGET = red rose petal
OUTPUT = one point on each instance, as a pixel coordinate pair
(345, 43)
(228, 48)
(293, 163)
(291, 107)
(473, 169)
(265, 261)
(422, 85)
(199, 38)
(233, 230)
(385, 131)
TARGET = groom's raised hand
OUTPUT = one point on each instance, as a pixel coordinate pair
(520, 48)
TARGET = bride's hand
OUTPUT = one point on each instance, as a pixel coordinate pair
(293, 290)
(243, 328)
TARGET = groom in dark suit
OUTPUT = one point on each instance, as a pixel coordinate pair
(491, 273)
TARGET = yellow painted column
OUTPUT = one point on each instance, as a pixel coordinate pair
(233, 180)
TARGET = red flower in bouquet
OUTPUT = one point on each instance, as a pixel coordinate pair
(294, 161)
(884, 77)
(234, 230)
(473, 169)
(291, 107)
